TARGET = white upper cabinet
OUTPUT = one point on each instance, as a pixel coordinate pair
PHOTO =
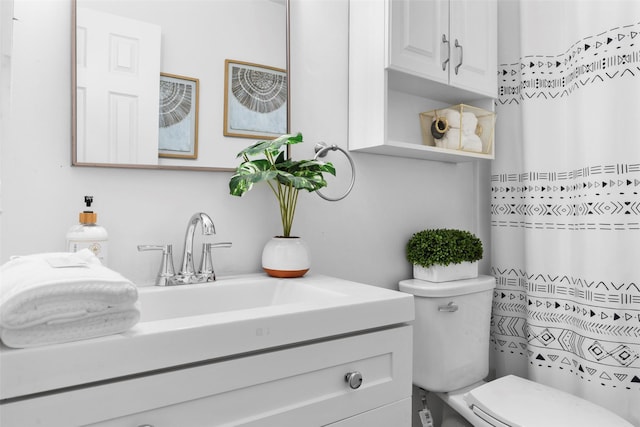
(417, 40)
(473, 24)
(447, 41)
(413, 56)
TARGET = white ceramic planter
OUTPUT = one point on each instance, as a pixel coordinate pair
(446, 273)
(286, 257)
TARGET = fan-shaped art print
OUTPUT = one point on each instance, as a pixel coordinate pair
(255, 100)
(178, 120)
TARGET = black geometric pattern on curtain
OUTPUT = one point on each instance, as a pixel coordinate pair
(595, 59)
(551, 303)
(602, 197)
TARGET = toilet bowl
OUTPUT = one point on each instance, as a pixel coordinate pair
(451, 359)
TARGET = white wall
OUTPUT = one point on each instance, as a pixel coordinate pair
(360, 238)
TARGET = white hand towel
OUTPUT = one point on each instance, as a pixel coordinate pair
(37, 289)
(109, 322)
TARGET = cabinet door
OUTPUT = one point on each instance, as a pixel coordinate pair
(473, 28)
(416, 38)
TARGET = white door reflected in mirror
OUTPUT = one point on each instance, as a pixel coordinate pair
(118, 74)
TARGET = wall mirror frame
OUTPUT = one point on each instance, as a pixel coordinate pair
(78, 131)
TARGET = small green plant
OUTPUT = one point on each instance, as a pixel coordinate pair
(284, 176)
(443, 246)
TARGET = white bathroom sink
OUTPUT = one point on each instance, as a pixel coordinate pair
(158, 303)
(188, 324)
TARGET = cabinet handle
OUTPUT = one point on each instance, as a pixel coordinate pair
(354, 379)
(445, 41)
(461, 54)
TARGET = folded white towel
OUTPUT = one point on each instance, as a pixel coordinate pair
(60, 288)
(450, 140)
(469, 123)
(109, 322)
(453, 141)
(472, 143)
(453, 117)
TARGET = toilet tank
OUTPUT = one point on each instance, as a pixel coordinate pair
(450, 331)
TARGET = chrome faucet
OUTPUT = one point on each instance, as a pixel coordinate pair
(187, 273)
(187, 270)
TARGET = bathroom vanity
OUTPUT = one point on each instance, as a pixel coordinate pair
(243, 351)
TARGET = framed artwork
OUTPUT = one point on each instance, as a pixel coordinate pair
(255, 100)
(178, 121)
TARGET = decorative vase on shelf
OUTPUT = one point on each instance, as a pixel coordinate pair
(286, 257)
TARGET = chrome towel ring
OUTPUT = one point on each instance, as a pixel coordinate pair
(321, 150)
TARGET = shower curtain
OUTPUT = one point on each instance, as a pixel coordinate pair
(565, 187)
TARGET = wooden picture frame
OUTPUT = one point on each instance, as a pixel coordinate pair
(255, 100)
(178, 117)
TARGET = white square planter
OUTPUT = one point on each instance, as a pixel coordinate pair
(446, 273)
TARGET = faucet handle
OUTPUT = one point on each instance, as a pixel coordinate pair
(206, 262)
(167, 271)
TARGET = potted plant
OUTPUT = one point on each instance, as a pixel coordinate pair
(284, 255)
(442, 255)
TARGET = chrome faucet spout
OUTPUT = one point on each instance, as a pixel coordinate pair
(187, 269)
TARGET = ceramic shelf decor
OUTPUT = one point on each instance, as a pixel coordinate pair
(446, 273)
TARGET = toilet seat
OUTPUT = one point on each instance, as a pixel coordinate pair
(512, 401)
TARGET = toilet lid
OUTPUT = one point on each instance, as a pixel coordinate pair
(515, 402)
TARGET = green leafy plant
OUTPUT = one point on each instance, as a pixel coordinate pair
(284, 176)
(443, 246)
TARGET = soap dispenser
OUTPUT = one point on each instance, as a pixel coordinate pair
(88, 234)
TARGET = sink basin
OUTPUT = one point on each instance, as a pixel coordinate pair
(158, 303)
(188, 324)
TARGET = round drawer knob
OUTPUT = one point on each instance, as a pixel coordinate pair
(354, 379)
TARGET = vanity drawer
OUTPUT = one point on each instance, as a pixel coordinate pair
(302, 385)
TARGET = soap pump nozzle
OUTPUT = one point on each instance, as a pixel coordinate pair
(88, 216)
(88, 200)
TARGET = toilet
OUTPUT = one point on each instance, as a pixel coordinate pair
(451, 359)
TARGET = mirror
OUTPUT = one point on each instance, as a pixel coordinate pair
(177, 84)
